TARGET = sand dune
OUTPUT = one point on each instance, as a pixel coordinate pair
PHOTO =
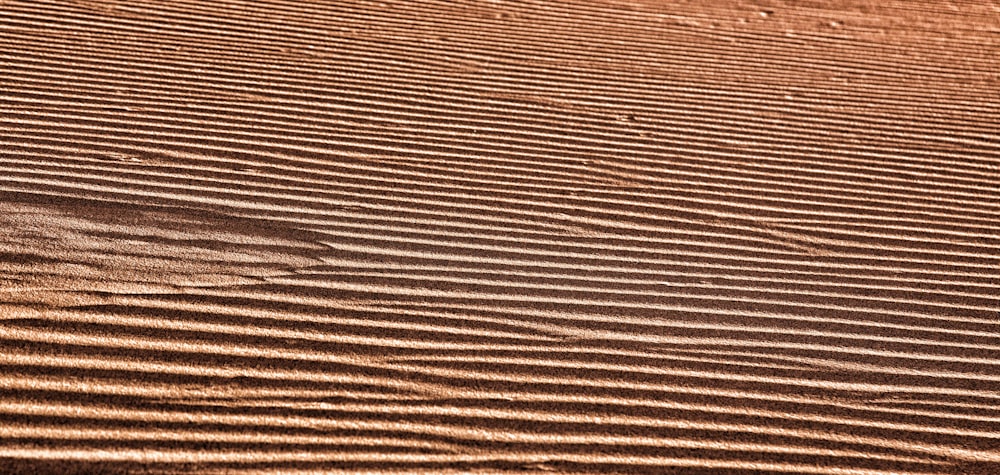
(489, 236)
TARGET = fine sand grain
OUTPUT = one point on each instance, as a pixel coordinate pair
(621, 236)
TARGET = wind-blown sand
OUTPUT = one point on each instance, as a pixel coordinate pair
(462, 236)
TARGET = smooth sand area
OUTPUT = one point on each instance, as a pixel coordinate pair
(463, 236)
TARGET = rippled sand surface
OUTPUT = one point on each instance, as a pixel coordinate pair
(499, 236)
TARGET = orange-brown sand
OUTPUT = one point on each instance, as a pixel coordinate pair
(620, 236)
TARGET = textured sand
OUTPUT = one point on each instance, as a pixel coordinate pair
(487, 236)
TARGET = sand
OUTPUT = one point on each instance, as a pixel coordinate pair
(499, 236)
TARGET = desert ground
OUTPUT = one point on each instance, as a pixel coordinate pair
(468, 236)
